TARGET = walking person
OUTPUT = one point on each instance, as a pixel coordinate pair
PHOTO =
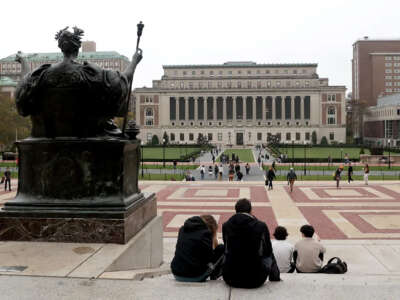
(247, 167)
(231, 173)
(349, 172)
(366, 174)
(202, 172)
(7, 179)
(221, 171)
(270, 176)
(210, 170)
(338, 173)
(239, 176)
(291, 178)
(259, 161)
(216, 171)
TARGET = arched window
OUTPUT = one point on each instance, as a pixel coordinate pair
(331, 115)
(149, 112)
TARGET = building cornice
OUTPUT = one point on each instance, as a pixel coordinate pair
(241, 65)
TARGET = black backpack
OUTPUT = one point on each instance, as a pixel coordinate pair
(338, 267)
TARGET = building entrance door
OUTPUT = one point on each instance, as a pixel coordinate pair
(239, 138)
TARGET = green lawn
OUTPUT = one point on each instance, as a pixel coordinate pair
(300, 166)
(169, 166)
(323, 152)
(173, 177)
(245, 155)
(170, 152)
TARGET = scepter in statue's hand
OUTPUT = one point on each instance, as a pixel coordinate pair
(137, 57)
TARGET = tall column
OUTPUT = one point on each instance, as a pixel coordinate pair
(186, 109)
(264, 111)
(214, 108)
(244, 102)
(292, 106)
(224, 119)
(273, 108)
(195, 109)
(254, 109)
(234, 109)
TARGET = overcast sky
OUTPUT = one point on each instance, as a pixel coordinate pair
(207, 32)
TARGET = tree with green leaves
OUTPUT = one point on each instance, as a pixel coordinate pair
(12, 125)
(314, 138)
(324, 140)
(166, 138)
(154, 140)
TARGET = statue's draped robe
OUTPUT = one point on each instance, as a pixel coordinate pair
(72, 100)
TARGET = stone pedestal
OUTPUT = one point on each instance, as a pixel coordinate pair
(77, 190)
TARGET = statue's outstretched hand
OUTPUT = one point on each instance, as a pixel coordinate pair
(137, 57)
(18, 57)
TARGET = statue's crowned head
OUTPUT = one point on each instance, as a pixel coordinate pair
(69, 42)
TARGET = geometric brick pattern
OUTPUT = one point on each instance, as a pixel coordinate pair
(351, 212)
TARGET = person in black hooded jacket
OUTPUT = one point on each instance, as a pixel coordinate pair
(197, 249)
(249, 258)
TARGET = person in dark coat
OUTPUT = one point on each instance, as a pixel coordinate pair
(7, 179)
(270, 176)
(248, 248)
(350, 173)
(196, 249)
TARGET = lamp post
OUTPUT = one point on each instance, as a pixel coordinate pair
(389, 151)
(305, 145)
(142, 143)
(163, 141)
(292, 153)
(341, 153)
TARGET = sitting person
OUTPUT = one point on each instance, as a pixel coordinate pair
(308, 253)
(248, 255)
(283, 250)
(197, 254)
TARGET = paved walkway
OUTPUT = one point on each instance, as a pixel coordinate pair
(358, 223)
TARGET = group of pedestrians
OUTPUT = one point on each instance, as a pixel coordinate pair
(338, 173)
(234, 170)
(246, 258)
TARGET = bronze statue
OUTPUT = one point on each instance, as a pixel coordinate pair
(69, 99)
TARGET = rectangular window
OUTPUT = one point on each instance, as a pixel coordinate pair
(172, 137)
(172, 108)
(388, 64)
(307, 136)
(388, 71)
(259, 136)
(288, 136)
(297, 136)
(191, 108)
(331, 136)
(249, 84)
(388, 83)
(200, 108)
(258, 84)
(220, 106)
(249, 108)
(297, 107)
(278, 107)
(239, 84)
(259, 103)
(388, 58)
(191, 137)
(288, 108)
(219, 136)
(210, 108)
(149, 137)
(210, 136)
(182, 104)
(307, 107)
(229, 108)
(388, 77)
(181, 136)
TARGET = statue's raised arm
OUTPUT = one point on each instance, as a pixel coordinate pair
(70, 99)
(25, 68)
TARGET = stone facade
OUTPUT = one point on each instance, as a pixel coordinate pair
(382, 122)
(241, 103)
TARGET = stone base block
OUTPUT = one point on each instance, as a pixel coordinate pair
(143, 251)
(78, 226)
